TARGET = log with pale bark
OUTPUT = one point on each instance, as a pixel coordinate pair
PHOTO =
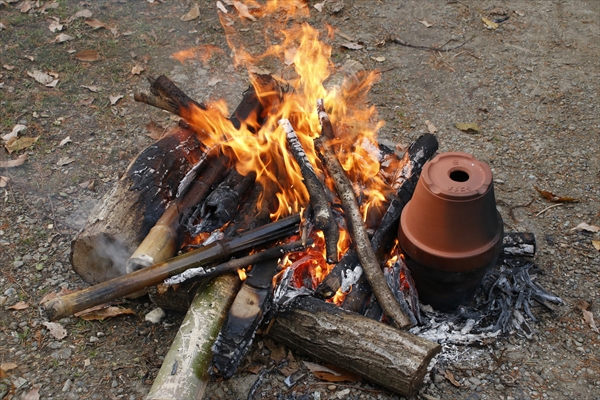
(382, 354)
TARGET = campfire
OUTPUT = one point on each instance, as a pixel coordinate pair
(290, 205)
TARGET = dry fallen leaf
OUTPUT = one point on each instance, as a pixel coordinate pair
(26, 6)
(155, 131)
(2, 26)
(378, 59)
(4, 181)
(91, 88)
(101, 314)
(33, 394)
(137, 69)
(15, 132)
(65, 161)
(17, 144)
(81, 14)
(55, 329)
(40, 76)
(319, 6)
(19, 306)
(489, 23)
(115, 99)
(427, 24)
(63, 37)
(88, 55)
(554, 198)
(596, 244)
(7, 366)
(468, 128)
(65, 141)
(430, 127)
(450, 377)
(192, 14)
(330, 373)
(8, 67)
(94, 23)
(352, 45)
(213, 81)
(586, 227)
(589, 319)
(277, 352)
(243, 10)
(55, 26)
(221, 7)
(14, 163)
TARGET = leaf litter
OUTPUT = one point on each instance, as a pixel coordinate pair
(554, 198)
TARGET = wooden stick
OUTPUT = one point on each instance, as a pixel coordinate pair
(184, 371)
(127, 284)
(323, 216)
(382, 354)
(365, 252)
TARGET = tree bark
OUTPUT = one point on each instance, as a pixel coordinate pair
(380, 353)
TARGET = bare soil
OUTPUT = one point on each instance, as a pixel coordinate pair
(532, 86)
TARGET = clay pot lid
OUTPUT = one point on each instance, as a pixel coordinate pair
(457, 176)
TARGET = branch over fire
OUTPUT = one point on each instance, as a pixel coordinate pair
(323, 216)
(365, 252)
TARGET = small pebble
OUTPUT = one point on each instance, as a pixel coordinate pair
(155, 316)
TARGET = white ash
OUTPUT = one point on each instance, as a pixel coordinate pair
(350, 277)
(517, 251)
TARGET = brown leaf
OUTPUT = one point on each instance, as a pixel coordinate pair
(101, 314)
(254, 369)
(81, 14)
(17, 144)
(26, 6)
(586, 227)
(19, 306)
(7, 366)
(192, 14)
(14, 163)
(33, 394)
(277, 352)
(63, 37)
(137, 69)
(94, 23)
(4, 181)
(91, 88)
(55, 329)
(489, 23)
(88, 55)
(155, 131)
(430, 127)
(55, 26)
(331, 373)
(450, 377)
(554, 198)
(596, 244)
(582, 305)
(64, 161)
(589, 318)
(427, 24)
(115, 99)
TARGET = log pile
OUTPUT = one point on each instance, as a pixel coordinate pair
(179, 181)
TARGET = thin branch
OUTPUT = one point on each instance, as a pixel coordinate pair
(401, 42)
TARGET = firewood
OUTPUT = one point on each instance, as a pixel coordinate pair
(184, 371)
(167, 96)
(368, 259)
(127, 284)
(323, 217)
(123, 218)
(380, 353)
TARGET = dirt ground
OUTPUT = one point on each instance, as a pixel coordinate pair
(531, 85)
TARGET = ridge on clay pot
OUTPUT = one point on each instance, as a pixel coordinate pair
(450, 229)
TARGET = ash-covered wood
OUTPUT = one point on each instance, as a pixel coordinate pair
(518, 244)
(368, 259)
(380, 353)
(321, 210)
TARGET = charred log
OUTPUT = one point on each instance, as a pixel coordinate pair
(368, 259)
(380, 353)
(167, 96)
(321, 211)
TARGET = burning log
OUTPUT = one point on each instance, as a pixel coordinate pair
(382, 354)
(140, 279)
(184, 371)
(345, 191)
(415, 158)
(323, 216)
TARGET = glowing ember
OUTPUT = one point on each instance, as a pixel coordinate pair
(242, 274)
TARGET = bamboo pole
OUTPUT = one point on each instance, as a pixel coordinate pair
(184, 372)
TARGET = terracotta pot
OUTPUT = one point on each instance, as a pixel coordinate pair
(450, 231)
